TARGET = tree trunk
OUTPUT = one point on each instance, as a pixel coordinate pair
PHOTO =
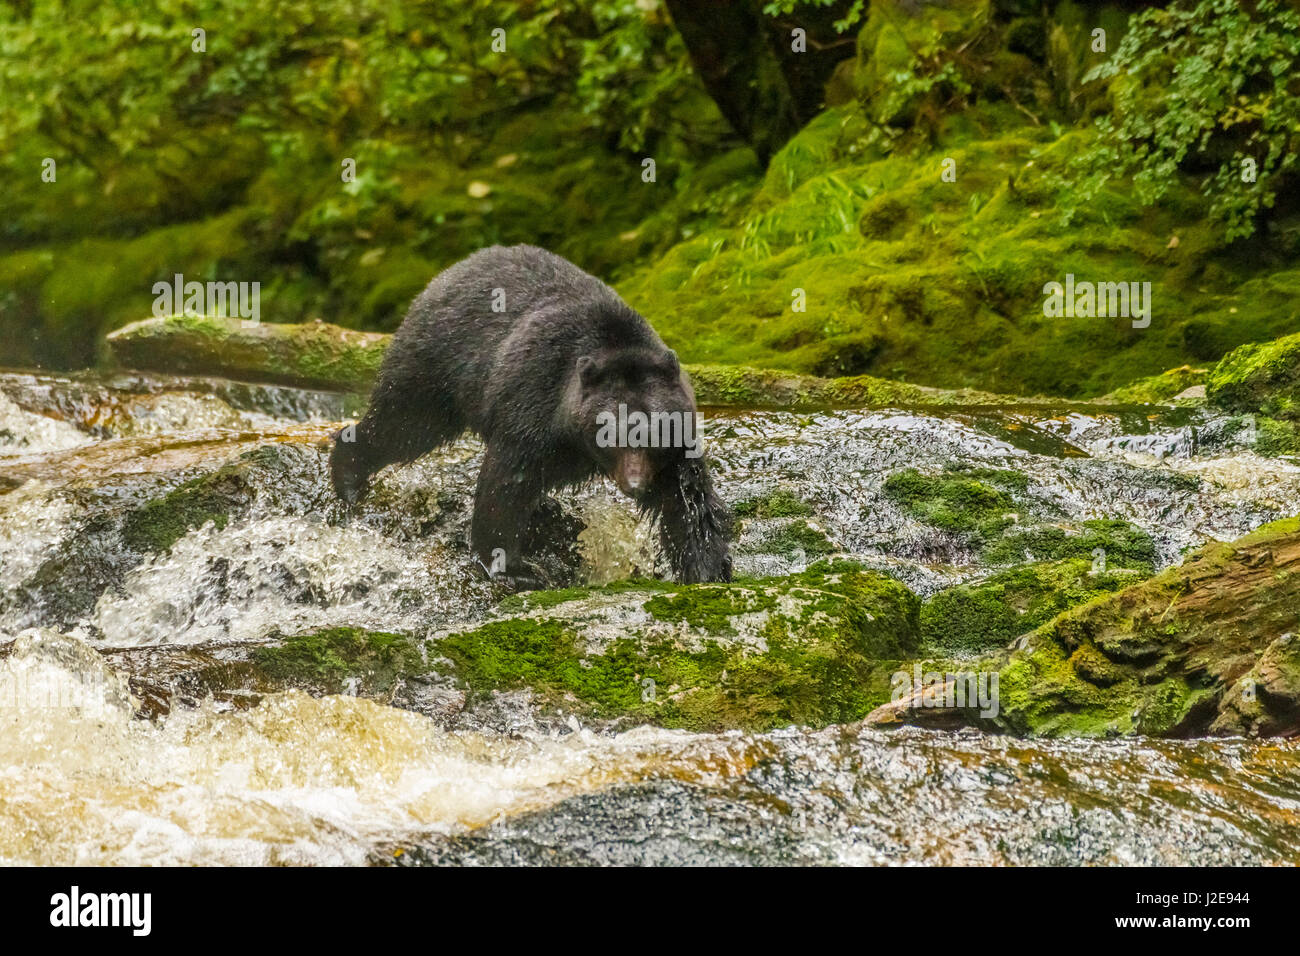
(729, 47)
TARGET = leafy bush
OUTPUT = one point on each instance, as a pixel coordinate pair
(1199, 88)
(120, 95)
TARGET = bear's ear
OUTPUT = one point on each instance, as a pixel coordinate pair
(586, 369)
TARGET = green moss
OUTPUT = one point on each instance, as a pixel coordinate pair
(778, 503)
(795, 538)
(709, 606)
(545, 600)
(215, 497)
(953, 501)
(1041, 694)
(1277, 438)
(161, 523)
(1159, 388)
(1261, 377)
(748, 387)
(1125, 545)
(905, 275)
(328, 659)
(979, 617)
(832, 635)
(1270, 531)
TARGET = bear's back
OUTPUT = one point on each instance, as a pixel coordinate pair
(507, 324)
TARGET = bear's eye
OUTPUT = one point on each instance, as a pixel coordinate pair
(588, 371)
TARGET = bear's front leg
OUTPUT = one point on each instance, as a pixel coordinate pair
(694, 524)
(504, 501)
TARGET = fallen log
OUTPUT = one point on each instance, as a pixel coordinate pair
(308, 355)
(323, 356)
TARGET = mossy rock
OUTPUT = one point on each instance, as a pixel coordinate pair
(1121, 544)
(1163, 657)
(338, 659)
(815, 648)
(1260, 377)
(1277, 439)
(980, 503)
(710, 607)
(1263, 701)
(310, 355)
(1162, 388)
(335, 660)
(988, 508)
(778, 503)
(975, 618)
(216, 497)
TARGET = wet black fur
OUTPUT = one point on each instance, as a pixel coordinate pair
(515, 378)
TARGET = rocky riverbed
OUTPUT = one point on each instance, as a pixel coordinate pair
(205, 659)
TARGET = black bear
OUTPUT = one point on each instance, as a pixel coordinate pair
(550, 367)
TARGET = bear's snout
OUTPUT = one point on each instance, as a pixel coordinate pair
(632, 471)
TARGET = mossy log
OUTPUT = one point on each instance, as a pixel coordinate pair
(324, 356)
(308, 355)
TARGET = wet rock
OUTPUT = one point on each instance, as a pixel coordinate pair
(666, 823)
(1259, 377)
(815, 648)
(121, 518)
(1265, 702)
(1200, 648)
(389, 668)
(812, 648)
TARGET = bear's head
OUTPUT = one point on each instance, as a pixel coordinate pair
(635, 412)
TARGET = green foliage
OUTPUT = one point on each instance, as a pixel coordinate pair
(1209, 84)
(303, 73)
(455, 147)
(853, 12)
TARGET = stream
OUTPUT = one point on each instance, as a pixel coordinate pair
(87, 778)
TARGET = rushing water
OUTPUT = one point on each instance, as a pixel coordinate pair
(338, 779)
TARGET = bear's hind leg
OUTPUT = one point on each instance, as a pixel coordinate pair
(397, 427)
